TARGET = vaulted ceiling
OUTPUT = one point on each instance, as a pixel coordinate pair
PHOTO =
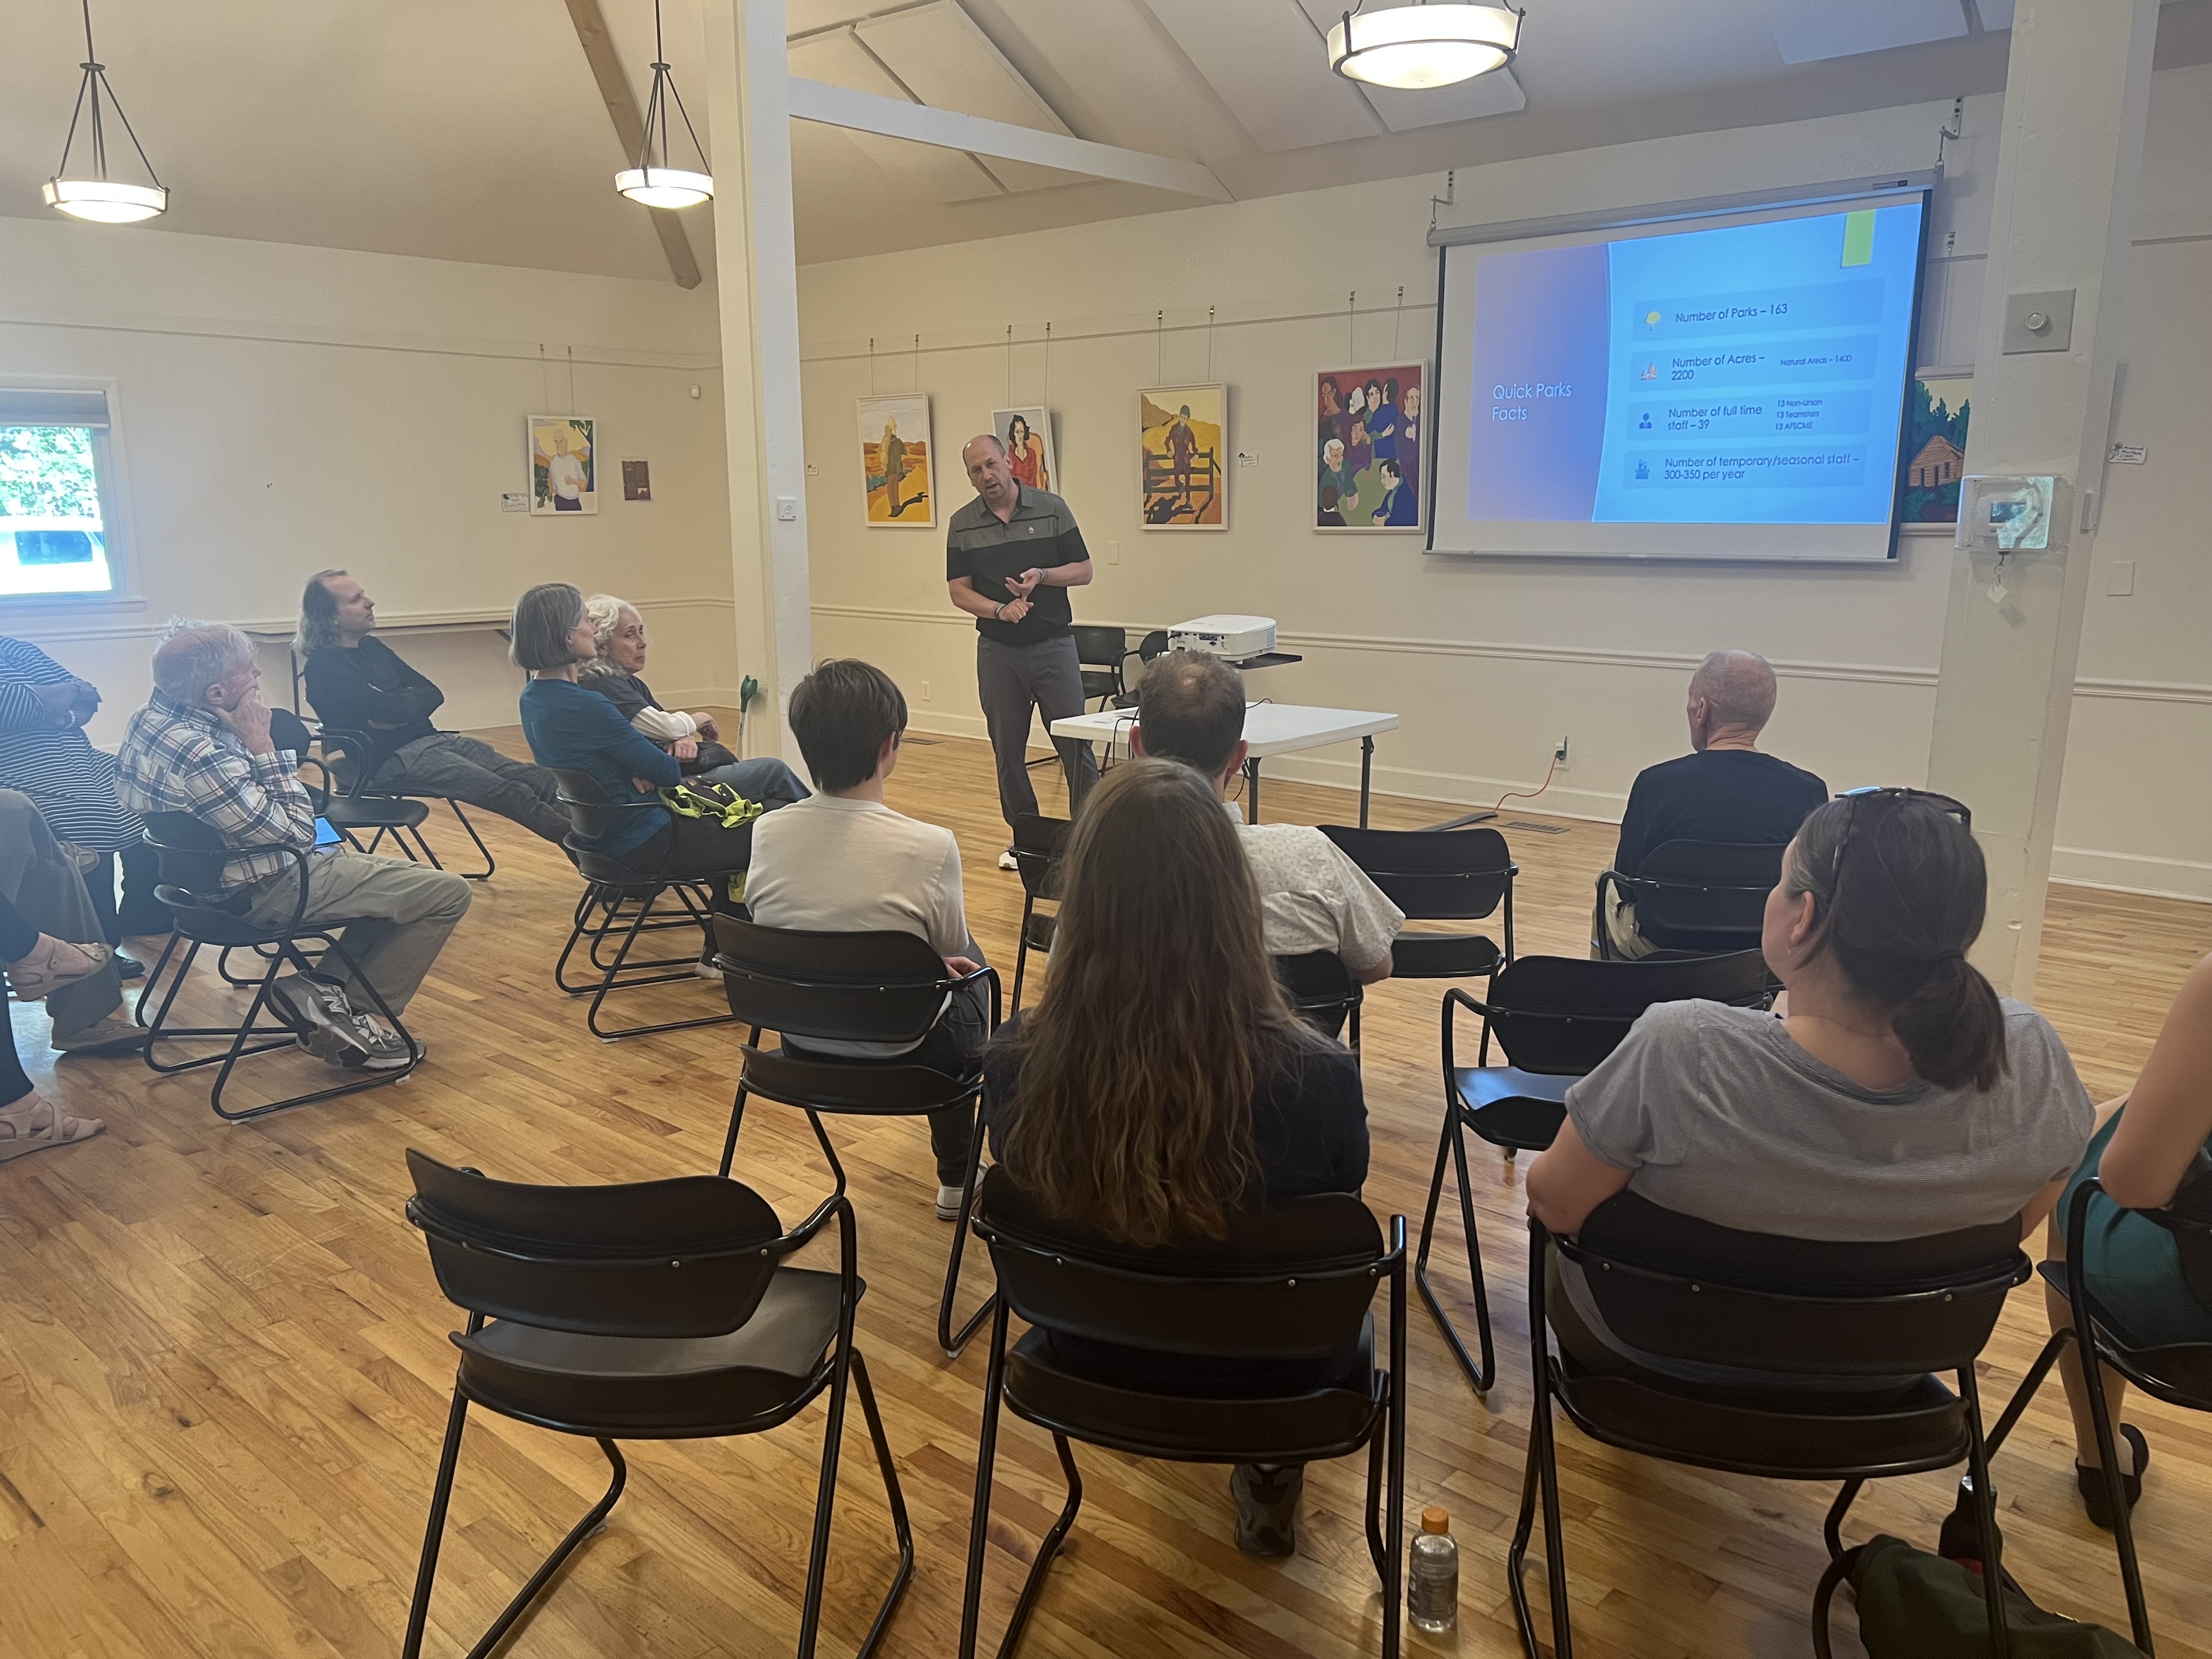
(472, 129)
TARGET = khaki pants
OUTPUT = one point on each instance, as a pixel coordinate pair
(41, 882)
(1618, 919)
(402, 915)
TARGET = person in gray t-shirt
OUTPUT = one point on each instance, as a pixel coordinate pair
(1899, 1098)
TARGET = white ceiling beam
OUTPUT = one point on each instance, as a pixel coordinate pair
(892, 118)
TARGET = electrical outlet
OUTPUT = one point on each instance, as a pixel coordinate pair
(1559, 752)
(925, 690)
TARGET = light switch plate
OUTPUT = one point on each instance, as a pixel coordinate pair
(2039, 322)
(787, 509)
(2120, 578)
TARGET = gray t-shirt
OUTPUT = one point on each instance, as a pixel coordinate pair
(1720, 1115)
(1313, 897)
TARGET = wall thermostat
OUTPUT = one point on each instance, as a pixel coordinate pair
(2000, 514)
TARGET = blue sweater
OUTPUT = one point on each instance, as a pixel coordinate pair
(580, 731)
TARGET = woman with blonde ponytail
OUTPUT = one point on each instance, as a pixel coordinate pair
(1901, 1096)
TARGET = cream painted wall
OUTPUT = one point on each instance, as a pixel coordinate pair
(1491, 661)
(283, 409)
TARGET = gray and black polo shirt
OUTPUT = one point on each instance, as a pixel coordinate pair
(1040, 534)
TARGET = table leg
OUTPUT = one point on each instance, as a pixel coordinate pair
(1252, 790)
(1367, 776)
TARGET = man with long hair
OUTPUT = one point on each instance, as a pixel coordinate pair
(358, 683)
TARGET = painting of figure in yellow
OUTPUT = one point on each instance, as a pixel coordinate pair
(564, 478)
(894, 461)
(1183, 443)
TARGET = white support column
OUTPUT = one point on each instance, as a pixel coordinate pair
(756, 276)
(2075, 92)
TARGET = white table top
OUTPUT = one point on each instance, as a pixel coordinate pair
(1271, 728)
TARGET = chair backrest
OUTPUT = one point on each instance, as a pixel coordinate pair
(1100, 646)
(1688, 1289)
(1318, 979)
(1152, 645)
(682, 1258)
(288, 731)
(191, 856)
(592, 813)
(1432, 875)
(1291, 1282)
(1038, 842)
(847, 987)
(1563, 1015)
(1704, 894)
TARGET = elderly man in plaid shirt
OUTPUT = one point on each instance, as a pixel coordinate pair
(201, 746)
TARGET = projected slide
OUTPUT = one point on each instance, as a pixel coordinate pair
(1751, 374)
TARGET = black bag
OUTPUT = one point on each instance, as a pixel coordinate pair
(1913, 1605)
(710, 755)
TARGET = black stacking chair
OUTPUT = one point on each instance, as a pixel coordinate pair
(356, 806)
(192, 856)
(658, 1311)
(1322, 993)
(1290, 1286)
(1152, 645)
(620, 902)
(2180, 1375)
(1099, 654)
(850, 987)
(1555, 1019)
(1437, 875)
(1037, 844)
(349, 811)
(1678, 1288)
(1694, 898)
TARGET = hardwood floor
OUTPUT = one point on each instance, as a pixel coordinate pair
(224, 1368)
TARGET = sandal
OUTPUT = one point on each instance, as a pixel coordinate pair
(37, 976)
(22, 1132)
(2096, 1496)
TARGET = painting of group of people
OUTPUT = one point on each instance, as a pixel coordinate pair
(1368, 448)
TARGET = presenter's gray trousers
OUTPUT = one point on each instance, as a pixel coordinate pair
(1010, 679)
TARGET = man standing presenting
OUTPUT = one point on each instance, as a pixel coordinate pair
(1011, 556)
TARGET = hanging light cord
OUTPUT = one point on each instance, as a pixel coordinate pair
(656, 108)
(95, 77)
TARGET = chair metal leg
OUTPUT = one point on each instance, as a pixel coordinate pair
(1378, 1551)
(1542, 1479)
(1022, 948)
(2026, 1391)
(737, 1118)
(1831, 1529)
(1985, 1516)
(426, 1570)
(1452, 1146)
(613, 981)
(154, 977)
(895, 1497)
(951, 1341)
(986, 1452)
(1033, 1585)
(490, 863)
(1393, 1575)
(825, 1496)
(2108, 1453)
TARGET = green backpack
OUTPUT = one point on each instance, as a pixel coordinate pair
(1913, 1605)
(717, 803)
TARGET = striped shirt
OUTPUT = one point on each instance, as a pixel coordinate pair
(987, 550)
(49, 759)
(181, 759)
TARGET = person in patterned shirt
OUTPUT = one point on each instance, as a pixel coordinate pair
(201, 746)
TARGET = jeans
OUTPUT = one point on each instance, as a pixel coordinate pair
(457, 767)
(766, 779)
(401, 913)
(1010, 679)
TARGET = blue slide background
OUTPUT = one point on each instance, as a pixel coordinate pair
(1739, 376)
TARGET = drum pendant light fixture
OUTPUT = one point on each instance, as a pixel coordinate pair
(655, 183)
(97, 198)
(1423, 45)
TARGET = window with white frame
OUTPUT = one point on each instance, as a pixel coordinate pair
(54, 527)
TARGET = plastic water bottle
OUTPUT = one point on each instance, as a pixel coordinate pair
(1432, 1575)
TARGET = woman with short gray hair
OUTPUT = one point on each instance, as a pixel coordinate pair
(571, 729)
(617, 674)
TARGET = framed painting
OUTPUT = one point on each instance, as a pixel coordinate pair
(1027, 435)
(1368, 425)
(1182, 445)
(564, 468)
(1936, 415)
(895, 470)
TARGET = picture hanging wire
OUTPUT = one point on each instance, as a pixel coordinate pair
(545, 386)
(1010, 364)
(1398, 325)
(1047, 366)
(1209, 342)
(1351, 335)
(914, 374)
(571, 380)
(872, 365)
(1159, 347)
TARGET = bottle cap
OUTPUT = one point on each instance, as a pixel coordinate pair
(1435, 1520)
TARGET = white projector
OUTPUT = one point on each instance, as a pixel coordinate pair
(1233, 639)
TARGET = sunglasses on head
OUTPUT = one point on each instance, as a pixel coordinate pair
(1942, 802)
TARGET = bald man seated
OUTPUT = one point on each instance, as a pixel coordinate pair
(1724, 790)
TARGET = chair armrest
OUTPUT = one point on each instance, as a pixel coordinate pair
(803, 1234)
(351, 743)
(985, 972)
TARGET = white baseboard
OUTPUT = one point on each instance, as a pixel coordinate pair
(2132, 872)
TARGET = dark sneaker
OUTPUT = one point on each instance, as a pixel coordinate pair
(1267, 1508)
(383, 1048)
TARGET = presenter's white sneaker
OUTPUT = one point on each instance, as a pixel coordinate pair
(1007, 861)
(948, 1204)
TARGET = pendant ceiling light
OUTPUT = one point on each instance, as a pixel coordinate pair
(1423, 45)
(656, 183)
(108, 201)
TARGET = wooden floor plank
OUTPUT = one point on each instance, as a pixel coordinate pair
(224, 1365)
